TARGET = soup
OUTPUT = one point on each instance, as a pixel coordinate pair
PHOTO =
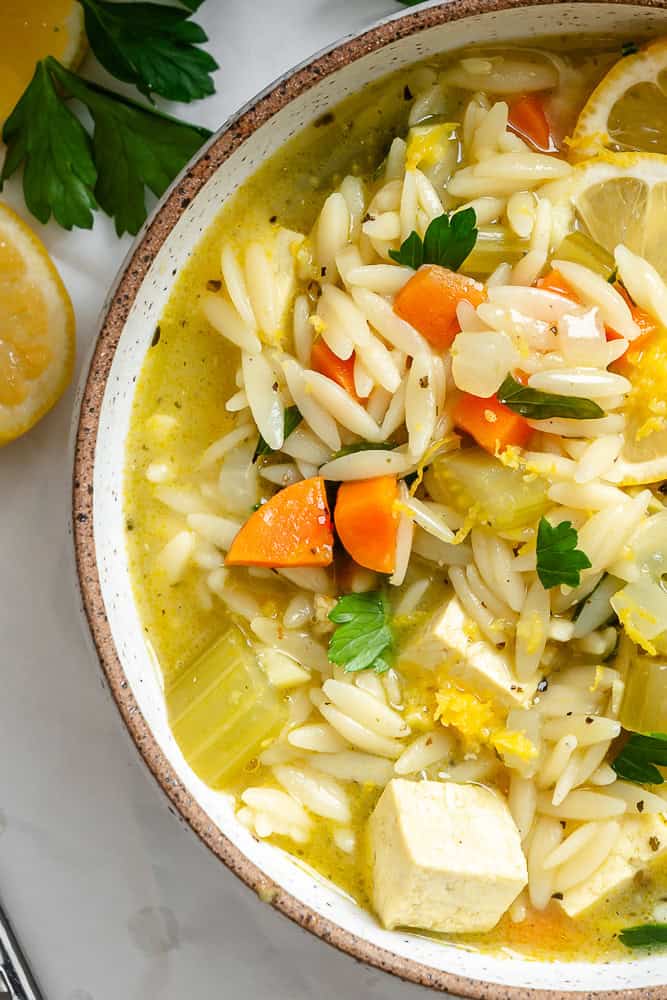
(394, 508)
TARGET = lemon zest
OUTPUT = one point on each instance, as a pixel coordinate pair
(430, 145)
(633, 632)
(442, 444)
(318, 324)
(479, 723)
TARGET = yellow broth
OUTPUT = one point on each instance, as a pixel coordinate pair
(187, 375)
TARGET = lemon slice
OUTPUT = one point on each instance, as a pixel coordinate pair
(31, 30)
(617, 198)
(643, 458)
(36, 329)
(628, 108)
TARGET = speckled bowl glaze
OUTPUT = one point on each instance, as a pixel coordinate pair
(133, 307)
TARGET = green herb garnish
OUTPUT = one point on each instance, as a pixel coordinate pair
(291, 420)
(643, 935)
(152, 46)
(558, 558)
(363, 632)
(447, 242)
(352, 449)
(629, 48)
(638, 759)
(67, 175)
(539, 405)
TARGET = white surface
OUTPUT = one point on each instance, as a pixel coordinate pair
(110, 895)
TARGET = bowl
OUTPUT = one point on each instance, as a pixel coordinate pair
(134, 305)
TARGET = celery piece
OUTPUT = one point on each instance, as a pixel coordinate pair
(644, 705)
(495, 245)
(581, 249)
(223, 710)
(479, 486)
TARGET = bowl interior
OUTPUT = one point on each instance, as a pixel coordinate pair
(135, 676)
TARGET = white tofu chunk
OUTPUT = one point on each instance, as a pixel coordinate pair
(452, 641)
(642, 839)
(445, 856)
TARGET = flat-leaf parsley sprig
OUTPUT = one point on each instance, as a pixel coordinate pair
(152, 46)
(68, 173)
(559, 561)
(447, 242)
(364, 637)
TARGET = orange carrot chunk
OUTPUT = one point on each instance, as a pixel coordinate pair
(649, 328)
(554, 281)
(324, 361)
(492, 425)
(367, 522)
(428, 302)
(528, 120)
(293, 528)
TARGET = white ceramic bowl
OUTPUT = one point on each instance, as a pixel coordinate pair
(135, 303)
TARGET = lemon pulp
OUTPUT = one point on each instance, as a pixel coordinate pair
(29, 31)
(638, 121)
(36, 329)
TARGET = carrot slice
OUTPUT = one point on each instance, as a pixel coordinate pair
(554, 281)
(367, 522)
(649, 328)
(293, 528)
(492, 425)
(527, 119)
(324, 361)
(428, 302)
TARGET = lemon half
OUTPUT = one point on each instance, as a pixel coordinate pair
(618, 198)
(29, 31)
(37, 338)
(627, 111)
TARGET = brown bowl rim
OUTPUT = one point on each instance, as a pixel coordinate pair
(115, 312)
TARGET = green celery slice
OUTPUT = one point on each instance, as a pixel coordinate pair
(223, 710)
(477, 484)
(581, 249)
(644, 706)
(495, 245)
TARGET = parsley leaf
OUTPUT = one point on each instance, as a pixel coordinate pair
(411, 253)
(352, 449)
(629, 48)
(133, 147)
(192, 5)
(291, 420)
(449, 239)
(539, 405)
(447, 242)
(638, 758)
(363, 632)
(643, 935)
(558, 558)
(152, 46)
(60, 175)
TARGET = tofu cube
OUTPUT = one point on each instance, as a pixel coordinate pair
(445, 857)
(642, 840)
(450, 641)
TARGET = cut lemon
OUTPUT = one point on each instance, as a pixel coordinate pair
(36, 329)
(628, 108)
(622, 198)
(29, 31)
(643, 458)
(616, 198)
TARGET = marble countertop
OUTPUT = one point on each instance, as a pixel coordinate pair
(112, 896)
